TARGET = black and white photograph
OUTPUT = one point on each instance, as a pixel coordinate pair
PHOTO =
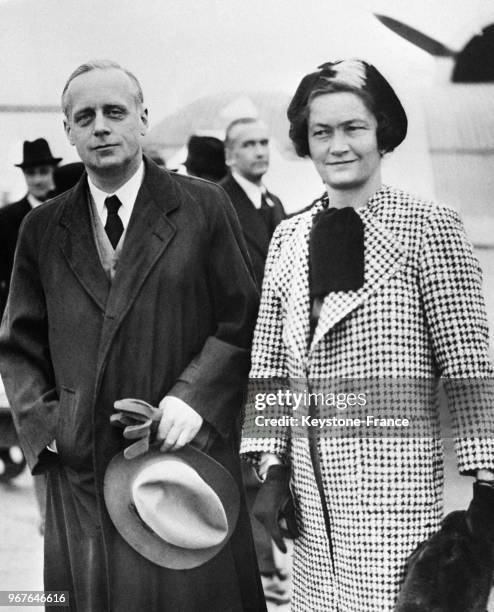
(247, 306)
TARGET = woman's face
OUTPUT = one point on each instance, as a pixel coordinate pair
(342, 141)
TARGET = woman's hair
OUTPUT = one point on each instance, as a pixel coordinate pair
(354, 76)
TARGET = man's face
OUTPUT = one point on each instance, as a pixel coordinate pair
(39, 180)
(105, 122)
(248, 153)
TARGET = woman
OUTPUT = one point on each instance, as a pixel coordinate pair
(370, 284)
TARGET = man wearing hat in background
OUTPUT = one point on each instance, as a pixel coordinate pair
(120, 289)
(38, 167)
(206, 158)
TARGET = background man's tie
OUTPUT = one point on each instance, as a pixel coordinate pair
(114, 226)
(267, 214)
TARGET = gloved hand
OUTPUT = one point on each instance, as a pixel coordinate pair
(139, 421)
(480, 513)
(274, 503)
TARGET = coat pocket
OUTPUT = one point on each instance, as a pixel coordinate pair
(73, 431)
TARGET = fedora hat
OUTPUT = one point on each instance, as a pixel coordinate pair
(37, 153)
(177, 509)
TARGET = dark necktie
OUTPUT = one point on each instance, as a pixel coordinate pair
(114, 226)
(267, 214)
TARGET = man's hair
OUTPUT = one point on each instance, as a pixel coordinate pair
(100, 65)
(241, 121)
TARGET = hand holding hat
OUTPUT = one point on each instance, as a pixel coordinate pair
(174, 422)
(179, 423)
(274, 503)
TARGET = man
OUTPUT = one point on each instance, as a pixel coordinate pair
(206, 158)
(38, 165)
(259, 212)
(120, 289)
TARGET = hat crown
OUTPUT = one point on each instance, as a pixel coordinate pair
(178, 505)
(37, 153)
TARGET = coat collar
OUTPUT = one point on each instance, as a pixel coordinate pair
(384, 255)
(148, 234)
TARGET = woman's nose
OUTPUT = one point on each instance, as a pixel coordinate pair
(339, 143)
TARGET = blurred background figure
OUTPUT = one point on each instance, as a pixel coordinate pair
(38, 166)
(66, 176)
(259, 212)
(206, 158)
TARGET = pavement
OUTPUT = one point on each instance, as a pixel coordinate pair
(21, 545)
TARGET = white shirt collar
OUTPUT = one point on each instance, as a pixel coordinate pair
(253, 192)
(127, 194)
(33, 202)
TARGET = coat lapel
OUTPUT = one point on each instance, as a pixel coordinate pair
(384, 256)
(148, 235)
(78, 246)
(253, 226)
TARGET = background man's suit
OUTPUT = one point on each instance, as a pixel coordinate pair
(257, 232)
(11, 217)
(177, 319)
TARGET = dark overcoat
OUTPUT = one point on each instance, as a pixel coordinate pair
(177, 319)
(11, 217)
(257, 235)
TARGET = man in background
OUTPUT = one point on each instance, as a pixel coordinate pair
(206, 158)
(38, 167)
(259, 211)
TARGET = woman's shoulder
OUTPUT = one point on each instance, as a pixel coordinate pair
(405, 204)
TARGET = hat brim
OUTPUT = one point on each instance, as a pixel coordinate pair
(50, 161)
(119, 476)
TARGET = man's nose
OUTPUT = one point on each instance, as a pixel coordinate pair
(261, 150)
(100, 124)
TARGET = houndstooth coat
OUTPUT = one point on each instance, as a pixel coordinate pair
(420, 314)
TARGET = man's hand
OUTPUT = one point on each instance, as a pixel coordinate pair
(179, 424)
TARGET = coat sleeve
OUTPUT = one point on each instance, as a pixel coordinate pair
(451, 284)
(269, 372)
(25, 362)
(215, 381)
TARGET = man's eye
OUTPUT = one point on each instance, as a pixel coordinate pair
(83, 120)
(116, 112)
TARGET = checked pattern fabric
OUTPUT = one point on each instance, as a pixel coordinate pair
(419, 315)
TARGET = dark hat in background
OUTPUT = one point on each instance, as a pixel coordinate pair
(66, 176)
(176, 509)
(206, 158)
(358, 75)
(37, 153)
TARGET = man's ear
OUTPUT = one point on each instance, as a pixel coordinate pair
(68, 130)
(144, 121)
(228, 158)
